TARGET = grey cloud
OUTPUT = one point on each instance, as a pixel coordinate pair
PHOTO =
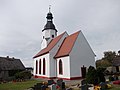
(21, 23)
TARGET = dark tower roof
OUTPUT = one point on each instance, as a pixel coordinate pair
(49, 24)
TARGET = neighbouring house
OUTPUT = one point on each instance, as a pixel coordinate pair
(116, 64)
(9, 66)
(115, 68)
(62, 56)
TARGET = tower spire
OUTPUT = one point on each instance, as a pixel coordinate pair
(49, 24)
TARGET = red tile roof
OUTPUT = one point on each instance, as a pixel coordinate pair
(67, 45)
(50, 46)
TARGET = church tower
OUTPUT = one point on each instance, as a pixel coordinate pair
(49, 32)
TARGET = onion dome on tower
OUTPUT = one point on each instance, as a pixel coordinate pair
(49, 24)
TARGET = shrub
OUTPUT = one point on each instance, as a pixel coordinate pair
(91, 76)
(95, 76)
(23, 75)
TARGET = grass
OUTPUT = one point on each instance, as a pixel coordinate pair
(30, 83)
(18, 85)
(115, 87)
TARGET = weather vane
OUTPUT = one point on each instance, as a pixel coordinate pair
(49, 8)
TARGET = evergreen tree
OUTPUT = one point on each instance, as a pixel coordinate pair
(95, 76)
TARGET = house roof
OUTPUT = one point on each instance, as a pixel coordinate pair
(67, 45)
(50, 46)
(7, 63)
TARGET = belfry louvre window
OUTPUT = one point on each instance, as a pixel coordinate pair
(60, 67)
(52, 36)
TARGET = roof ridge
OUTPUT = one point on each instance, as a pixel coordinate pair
(75, 33)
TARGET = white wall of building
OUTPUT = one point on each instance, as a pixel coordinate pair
(47, 65)
(50, 61)
(53, 52)
(80, 55)
(43, 44)
(47, 37)
(66, 67)
(48, 33)
(34, 67)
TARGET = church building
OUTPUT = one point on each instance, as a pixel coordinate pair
(62, 56)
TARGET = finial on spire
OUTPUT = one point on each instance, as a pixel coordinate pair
(49, 8)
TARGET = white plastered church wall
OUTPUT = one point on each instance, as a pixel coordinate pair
(47, 65)
(53, 52)
(65, 67)
(47, 37)
(80, 55)
(34, 69)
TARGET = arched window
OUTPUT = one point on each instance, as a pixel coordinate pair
(40, 66)
(36, 66)
(44, 66)
(60, 67)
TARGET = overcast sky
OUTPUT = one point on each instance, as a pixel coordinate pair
(22, 21)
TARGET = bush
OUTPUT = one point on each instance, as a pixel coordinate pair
(23, 75)
(100, 74)
(95, 76)
(91, 76)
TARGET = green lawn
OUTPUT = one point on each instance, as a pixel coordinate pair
(115, 87)
(31, 83)
(18, 85)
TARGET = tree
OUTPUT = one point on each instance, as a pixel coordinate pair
(102, 64)
(100, 74)
(109, 55)
(107, 60)
(95, 76)
(91, 76)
